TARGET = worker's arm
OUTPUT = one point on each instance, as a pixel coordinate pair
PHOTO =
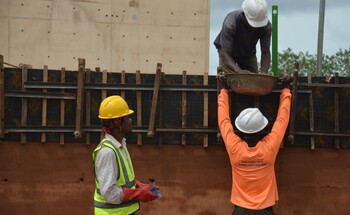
(265, 60)
(282, 119)
(224, 121)
(229, 62)
(107, 174)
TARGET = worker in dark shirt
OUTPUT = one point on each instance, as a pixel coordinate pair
(236, 42)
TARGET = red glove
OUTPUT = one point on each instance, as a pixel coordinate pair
(138, 194)
(143, 186)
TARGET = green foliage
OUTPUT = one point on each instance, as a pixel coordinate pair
(331, 64)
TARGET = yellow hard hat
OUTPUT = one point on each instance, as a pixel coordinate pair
(114, 107)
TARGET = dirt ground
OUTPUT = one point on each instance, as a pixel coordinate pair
(46, 178)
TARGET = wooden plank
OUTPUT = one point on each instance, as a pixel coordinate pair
(311, 113)
(80, 93)
(205, 110)
(294, 104)
(139, 107)
(151, 127)
(104, 92)
(104, 81)
(184, 104)
(122, 81)
(2, 98)
(160, 112)
(218, 134)
(62, 104)
(44, 105)
(336, 110)
(88, 106)
(24, 113)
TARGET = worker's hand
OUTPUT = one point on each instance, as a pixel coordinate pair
(221, 79)
(222, 83)
(138, 194)
(263, 72)
(143, 186)
(285, 80)
(243, 71)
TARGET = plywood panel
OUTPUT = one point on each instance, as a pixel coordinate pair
(4, 8)
(113, 35)
(28, 42)
(36, 9)
(70, 41)
(178, 48)
(4, 35)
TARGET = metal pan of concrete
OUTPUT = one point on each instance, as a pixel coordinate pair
(251, 84)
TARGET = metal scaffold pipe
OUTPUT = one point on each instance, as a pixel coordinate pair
(320, 37)
(275, 40)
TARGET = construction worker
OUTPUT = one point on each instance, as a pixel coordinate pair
(236, 42)
(117, 190)
(252, 156)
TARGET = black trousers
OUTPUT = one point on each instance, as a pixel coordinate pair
(244, 211)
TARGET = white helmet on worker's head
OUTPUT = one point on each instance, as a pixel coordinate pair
(256, 12)
(251, 121)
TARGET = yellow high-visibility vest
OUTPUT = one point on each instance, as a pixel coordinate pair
(126, 178)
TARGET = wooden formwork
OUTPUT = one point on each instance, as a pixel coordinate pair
(79, 93)
(2, 98)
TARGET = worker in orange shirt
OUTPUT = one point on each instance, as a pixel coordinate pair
(252, 157)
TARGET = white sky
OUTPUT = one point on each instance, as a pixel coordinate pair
(297, 25)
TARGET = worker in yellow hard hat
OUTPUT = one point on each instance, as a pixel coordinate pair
(241, 31)
(117, 191)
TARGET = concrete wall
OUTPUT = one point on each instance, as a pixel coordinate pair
(46, 178)
(115, 35)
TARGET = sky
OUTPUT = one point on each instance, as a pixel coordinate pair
(297, 25)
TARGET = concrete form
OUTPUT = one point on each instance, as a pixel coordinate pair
(47, 178)
(115, 35)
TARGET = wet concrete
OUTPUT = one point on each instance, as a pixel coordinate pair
(46, 178)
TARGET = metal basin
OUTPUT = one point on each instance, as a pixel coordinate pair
(251, 84)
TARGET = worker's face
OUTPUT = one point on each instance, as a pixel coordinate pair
(126, 126)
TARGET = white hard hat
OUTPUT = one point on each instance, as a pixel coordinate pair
(251, 121)
(256, 12)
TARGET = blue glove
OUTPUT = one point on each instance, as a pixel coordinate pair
(154, 188)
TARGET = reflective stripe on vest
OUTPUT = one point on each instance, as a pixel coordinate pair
(128, 185)
(122, 181)
(108, 205)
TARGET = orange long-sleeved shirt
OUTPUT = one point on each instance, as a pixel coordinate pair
(253, 175)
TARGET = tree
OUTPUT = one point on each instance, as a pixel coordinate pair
(337, 63)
